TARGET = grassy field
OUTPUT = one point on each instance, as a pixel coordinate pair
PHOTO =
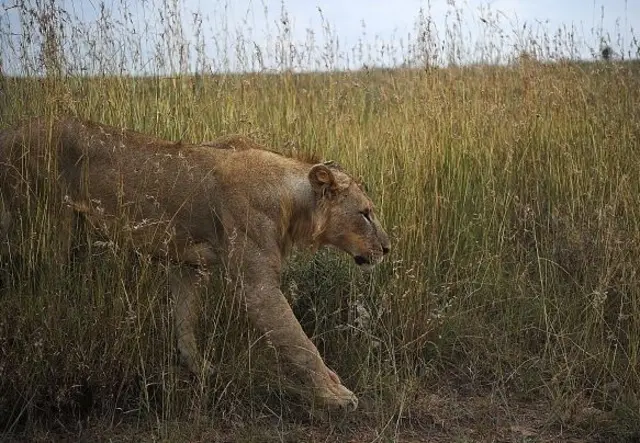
(509, 308)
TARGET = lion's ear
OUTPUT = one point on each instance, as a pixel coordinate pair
(322, 180)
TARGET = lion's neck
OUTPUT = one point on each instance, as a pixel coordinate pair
(301, 221)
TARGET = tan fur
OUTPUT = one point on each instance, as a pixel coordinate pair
(229, 200)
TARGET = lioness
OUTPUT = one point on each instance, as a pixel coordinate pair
(227, 201)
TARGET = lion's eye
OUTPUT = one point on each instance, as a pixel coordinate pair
(366, 213)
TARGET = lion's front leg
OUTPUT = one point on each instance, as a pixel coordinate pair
(270, 312)
(186, 284)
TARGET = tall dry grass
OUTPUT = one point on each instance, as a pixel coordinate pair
(511, 194)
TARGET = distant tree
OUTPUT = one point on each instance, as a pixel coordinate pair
(606, 53)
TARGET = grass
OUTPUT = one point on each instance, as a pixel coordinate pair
(511, 193)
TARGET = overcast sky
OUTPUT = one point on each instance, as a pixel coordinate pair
(302, 34)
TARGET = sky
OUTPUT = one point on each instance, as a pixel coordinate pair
(163, 36)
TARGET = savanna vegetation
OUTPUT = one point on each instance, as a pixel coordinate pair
(508, 309)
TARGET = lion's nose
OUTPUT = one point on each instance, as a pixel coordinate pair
(385, 250)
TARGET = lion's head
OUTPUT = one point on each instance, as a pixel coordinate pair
(348, 220)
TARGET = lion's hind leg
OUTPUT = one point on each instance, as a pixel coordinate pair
(186, 283)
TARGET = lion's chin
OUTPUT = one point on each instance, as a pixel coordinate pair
(368, 262)
(363, 263)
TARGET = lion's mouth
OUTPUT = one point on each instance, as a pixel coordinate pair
(361, 261)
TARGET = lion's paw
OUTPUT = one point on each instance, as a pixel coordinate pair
(198, 367)
(335, 395)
